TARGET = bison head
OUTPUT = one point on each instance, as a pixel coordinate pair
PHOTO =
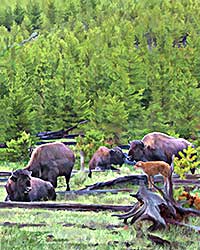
(117, 157)
(22, 180)
(136, 151)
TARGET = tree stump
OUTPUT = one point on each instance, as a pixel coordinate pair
(160, 208)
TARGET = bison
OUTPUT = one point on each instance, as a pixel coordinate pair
(157, 147)
(152, 168)
(105, 157)
(21, 186)
(51, 160)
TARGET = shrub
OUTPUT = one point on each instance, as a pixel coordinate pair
(18, 149)
(189, 158)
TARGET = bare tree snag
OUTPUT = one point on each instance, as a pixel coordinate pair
(160, 209)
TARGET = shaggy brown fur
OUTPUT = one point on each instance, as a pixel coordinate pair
(157, 147)
(51, 160)
(105, 157)
(22, 187)
(152, 168)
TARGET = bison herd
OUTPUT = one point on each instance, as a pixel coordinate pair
(38, 180)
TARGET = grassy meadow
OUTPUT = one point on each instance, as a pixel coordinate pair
(56, 229)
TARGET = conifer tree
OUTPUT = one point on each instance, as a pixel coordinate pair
(51, 12)
(18, 13)
(8, 18)
(35, 15)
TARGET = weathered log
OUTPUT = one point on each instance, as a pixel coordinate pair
(160, 209)
(48, 135)
(68, 143)
(97, 191)
(65, 206)
(133, 179)
(3, 145)
(5, 173)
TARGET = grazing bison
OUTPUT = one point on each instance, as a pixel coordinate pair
(22, 187)
(157, 147)
(105, 157)
(51, 160)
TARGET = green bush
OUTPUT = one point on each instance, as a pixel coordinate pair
(189, 159)
(18, 149)
(92, 140)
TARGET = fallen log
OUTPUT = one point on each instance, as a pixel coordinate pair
(49, 135)
(68, 143)
(5, 173)
(3, 145)
(133, 179)
(65, 206)
(136, 179)
(97, 191)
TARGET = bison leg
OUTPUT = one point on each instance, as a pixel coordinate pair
(7, 198)
(52, 177)
(150, 181)
(67, 177)
(51, 194)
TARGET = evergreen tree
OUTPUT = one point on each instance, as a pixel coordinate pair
(51, 12)
(35, 15)
(8, 18)
(18, 14)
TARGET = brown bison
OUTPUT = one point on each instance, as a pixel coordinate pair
(22, 187)
(157, 147)
(51, 160)
(105, 157)
(152, 168)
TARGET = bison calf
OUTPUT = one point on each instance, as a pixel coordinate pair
(22, 187)
(51, 160)
(105, 157)
(152, 168)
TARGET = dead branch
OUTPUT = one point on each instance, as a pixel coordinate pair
(97, 191)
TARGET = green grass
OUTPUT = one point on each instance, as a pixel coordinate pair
(86, 230)
(83, 230)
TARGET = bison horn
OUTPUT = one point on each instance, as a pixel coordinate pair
(112, 151)
(29, 173)
(142, 143)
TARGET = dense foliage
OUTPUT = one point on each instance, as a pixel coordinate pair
(128, 66)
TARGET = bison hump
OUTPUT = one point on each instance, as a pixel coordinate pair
(103, 150)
